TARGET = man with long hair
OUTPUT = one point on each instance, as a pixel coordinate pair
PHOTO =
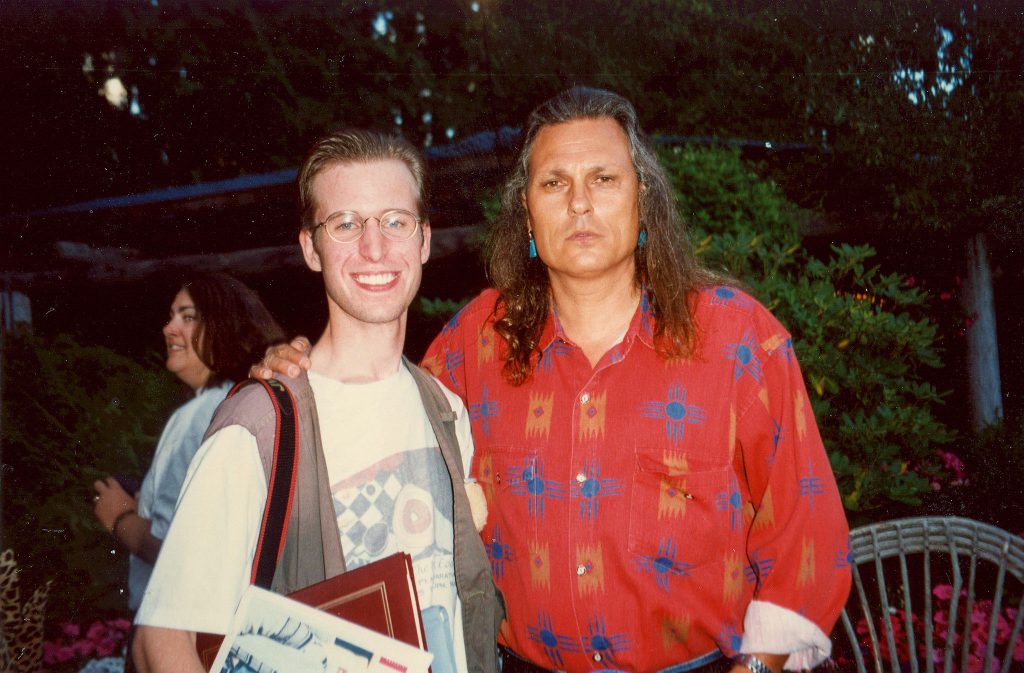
(659, 492)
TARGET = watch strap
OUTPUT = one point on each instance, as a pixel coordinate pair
(753, 663)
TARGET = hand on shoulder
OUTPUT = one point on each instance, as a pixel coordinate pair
(287, 359)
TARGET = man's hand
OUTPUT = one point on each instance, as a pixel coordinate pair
(111, 501)
(283, 359)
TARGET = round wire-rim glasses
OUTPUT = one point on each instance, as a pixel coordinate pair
(347, 226)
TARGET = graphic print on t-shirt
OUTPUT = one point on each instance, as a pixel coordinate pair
(402, 503)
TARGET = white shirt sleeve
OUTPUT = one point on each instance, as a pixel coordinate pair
(179, 443)
(206, 558)
(771, 628)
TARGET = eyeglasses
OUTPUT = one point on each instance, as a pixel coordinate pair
(347, 226)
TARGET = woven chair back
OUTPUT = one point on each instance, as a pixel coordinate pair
(924, 594)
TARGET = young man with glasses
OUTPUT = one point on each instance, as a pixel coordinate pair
(390, 487)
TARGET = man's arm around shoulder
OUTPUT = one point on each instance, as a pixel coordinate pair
(159, 650)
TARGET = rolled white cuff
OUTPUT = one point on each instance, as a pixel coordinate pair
(772, 629)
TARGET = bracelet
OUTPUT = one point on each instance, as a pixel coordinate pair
(752, 663)
(119, 519)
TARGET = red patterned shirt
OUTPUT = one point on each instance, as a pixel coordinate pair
(647, 513)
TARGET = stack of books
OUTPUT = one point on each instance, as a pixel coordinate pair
(367, 619)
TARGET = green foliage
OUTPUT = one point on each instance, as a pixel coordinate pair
(864, 348)
(930, 136)
(73, 414)
(440, 308)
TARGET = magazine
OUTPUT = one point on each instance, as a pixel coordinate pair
(271, 633)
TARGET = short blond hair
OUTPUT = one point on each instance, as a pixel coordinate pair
(348, 146)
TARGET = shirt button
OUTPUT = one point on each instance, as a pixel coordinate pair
(581, 569)
(597, 656)
(584, 398)
(581, 477)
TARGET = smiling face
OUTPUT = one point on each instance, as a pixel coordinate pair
(181, 334)
(372, 280)
(582, 200)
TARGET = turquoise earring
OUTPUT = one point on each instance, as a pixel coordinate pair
(533, 248)
(641, 241)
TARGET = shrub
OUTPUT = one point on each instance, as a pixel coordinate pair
(863, 342)
(73, 414)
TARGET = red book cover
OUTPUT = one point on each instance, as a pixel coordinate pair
(380, 596)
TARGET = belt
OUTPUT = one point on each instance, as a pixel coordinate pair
(512, 663)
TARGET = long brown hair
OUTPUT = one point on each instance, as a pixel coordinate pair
(666, 264)
(235, 327)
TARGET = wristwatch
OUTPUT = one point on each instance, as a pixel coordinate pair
(753, 663)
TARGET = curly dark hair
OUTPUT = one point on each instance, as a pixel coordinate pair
(235, 328)
(666, 264)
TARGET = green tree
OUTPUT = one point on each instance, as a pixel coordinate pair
(217, 90)
(921, 105)
(910, 112)
(863, 343)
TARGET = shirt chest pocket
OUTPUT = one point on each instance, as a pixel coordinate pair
(515, 480)
(679, 517)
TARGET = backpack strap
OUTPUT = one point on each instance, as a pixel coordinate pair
(281, 484)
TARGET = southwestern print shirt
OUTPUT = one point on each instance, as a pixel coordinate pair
(647, 513)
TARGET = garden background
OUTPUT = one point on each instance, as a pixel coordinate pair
(856, 165)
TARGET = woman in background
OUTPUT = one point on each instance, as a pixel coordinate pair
(217, 328)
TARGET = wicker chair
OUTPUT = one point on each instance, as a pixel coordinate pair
(944, 550)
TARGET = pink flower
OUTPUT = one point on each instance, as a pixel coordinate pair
(1002, 629)
(50, 653)
(107, 646)
(82, 648)
(944, 592)
(72, 630)
(953, 463)
(96, 631)
(65, 653)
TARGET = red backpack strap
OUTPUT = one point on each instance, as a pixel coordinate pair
(281, 485)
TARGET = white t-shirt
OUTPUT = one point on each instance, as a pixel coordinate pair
(161, 487)
(389, 485)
